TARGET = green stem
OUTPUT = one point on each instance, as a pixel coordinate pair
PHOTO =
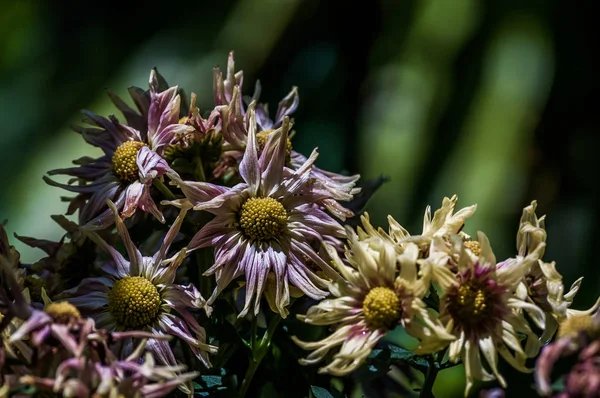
(163, 189)
(258, 352)
(432, 371)
(200, 169)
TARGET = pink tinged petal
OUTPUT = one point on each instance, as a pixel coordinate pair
(183, 296)
(177, 327)
(161, 349)
(198, 192)
(122, 266)
(164, 109)
(62, 334)
(272, 159)
(279, 261)
(98, 200)
(544, 364)
(133, 197)
(301, 176)
(249, 166)
(118, 136)
(169, 134)
(35, 321)
(215, 231)
(300, 276)
(229, 267)
(252, 260)
(135, 257)
(169, 237)
(106, 218)
(165, 274)
(309, 252)
(150, 165)
(147, 205)
(287, 105)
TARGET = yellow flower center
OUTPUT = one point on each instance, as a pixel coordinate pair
(261, 140)
(124, 161)
(134, 302)
(474, 246)
(62, 312)
(575, 324)
(263, 219)
(381, 308)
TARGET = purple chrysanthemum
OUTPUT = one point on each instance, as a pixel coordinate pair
(228, 98)
(264, 224)
(140, 294)
(132, 155)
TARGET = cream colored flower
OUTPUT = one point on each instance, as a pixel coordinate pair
(443, 223)
(480, 308)
(543, 284)
(381, 290)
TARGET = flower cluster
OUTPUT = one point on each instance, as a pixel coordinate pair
(479, 307)
(185, 205)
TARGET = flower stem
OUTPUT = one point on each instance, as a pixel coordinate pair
(432, 371)
(258, 352)
(163, 189)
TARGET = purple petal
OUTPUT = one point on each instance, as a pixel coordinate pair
(249, 166)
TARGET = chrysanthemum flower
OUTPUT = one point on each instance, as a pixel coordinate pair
(264, 224)
(132, 156)
(443, 224)
(480, 308)
(578, 337)
(543, 284)
(228, 98)
(381, 290)
(140, 294)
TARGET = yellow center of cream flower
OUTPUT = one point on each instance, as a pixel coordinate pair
(124, 161)
(134, 302)
(474, 246)
(263, 219)
(62, 312)
(261, 140)
(575, 324)
(381, 308)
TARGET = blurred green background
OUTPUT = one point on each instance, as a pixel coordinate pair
(492, 100)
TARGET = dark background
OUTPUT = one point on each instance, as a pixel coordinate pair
(493, 100)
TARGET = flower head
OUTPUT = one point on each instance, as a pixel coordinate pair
(140, 294)
(228, 97)
(579, 337)
(543, 284)
(480, 308)
(381, 290)
(264, 224)
(132, 156)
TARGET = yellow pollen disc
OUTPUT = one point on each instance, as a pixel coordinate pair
(263, 218)
(62, 312)
(381, 307)
(124, 161)
(575, 324)
(134, 302)
(474, 246)
(261, 140)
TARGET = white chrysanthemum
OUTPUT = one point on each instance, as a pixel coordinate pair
(480, 308)
(381, 290)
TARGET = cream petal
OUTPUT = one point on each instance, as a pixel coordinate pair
(536, 314)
